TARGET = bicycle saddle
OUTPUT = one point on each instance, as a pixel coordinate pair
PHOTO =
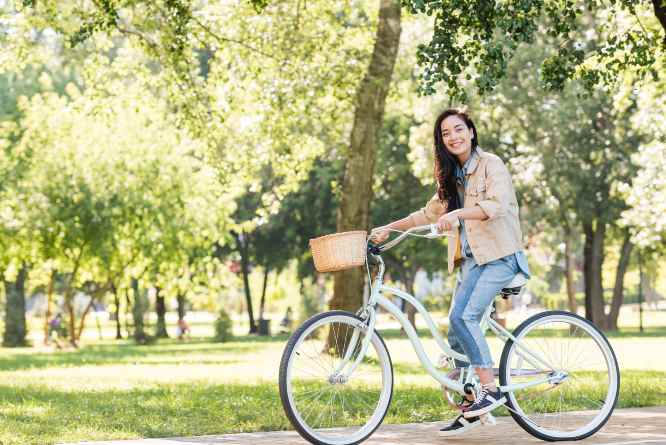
(513, 288)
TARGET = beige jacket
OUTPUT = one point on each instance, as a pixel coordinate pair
(488, 186)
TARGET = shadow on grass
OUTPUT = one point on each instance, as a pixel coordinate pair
(109, 354)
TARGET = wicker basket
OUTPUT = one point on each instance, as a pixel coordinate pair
(339, 251)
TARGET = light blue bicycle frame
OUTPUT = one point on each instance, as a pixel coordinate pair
(378, 298)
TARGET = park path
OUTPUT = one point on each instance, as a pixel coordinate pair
(634, 426)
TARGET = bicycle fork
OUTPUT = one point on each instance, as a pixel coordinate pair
(368, 326)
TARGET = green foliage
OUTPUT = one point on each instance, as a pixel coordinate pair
(172, 122)
(115, 190)
(240, 77)
(475, 40)
(571, 151)
(223, 327)
(645, 194)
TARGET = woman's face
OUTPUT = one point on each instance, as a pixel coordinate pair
(457, 136)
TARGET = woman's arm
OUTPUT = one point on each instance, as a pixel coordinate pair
(427, 215)
(450, 220)
(498, 198)
(475, 212)
(499, 191)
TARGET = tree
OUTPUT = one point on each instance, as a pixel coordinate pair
(475, 40)
(17, 252)
(113, 190)
(298, 110)
(15, 325)
(242, 81)
(645, 195)
(580, 149)
(356, 191)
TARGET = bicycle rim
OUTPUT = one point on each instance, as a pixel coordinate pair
(584, 377)
(326, 410)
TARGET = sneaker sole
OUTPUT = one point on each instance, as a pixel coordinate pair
(482, 411)
(469, 426)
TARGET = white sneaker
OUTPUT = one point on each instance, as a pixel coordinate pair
(485, 403)
(459, 426)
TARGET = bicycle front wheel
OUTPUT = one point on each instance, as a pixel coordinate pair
(324, 405)
(570, 372)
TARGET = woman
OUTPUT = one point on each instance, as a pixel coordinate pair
(474, 193)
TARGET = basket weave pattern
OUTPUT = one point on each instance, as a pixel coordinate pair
(339, 251)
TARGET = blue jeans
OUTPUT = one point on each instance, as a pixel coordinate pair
(476, 289)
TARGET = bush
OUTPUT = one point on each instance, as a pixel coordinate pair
(223, 327)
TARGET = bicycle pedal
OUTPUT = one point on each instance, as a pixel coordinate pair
(488, 420)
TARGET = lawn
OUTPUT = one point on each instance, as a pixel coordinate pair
(116, 390)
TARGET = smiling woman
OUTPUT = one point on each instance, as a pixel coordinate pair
(474, 193)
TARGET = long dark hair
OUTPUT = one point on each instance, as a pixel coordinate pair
(445, 162)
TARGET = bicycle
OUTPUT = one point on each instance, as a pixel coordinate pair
(557, 370)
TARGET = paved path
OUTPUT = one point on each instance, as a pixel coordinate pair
(636, 426)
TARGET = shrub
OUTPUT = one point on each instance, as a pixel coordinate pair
(223, 327)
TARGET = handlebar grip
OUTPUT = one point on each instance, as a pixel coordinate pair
(373, 249)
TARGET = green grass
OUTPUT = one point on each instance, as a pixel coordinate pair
(120, 391)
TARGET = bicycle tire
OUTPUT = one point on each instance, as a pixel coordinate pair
(515, 409)
(291, 412)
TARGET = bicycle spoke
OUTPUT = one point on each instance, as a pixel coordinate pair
(331, 407)
(581, 368)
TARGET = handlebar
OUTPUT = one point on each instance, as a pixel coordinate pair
(432, 228)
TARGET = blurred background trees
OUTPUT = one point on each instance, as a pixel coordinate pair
(160, 155)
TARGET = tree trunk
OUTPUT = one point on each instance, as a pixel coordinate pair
(570, 269)
(138, 309)
(116, 301)
(181, 306)
(84, 315)
(160, 309)
(99, 328)
(262, 305)
(128, 306)
(71, 320)
(69, 297)
(354, 209)
(97, 295)
(49, 302)
(618, 289)
(660, 13)
(244, 249)
(16, 332)
(594, 260)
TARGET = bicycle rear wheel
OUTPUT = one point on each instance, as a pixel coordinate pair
(324, 407)
(581, 381)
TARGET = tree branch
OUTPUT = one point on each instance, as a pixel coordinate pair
(220, 38)
(150, 42)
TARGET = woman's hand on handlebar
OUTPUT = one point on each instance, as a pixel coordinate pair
(379, 234)
(448, 221)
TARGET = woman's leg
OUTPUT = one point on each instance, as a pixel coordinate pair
(493, 277)
(490, 279)
(464, 287)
